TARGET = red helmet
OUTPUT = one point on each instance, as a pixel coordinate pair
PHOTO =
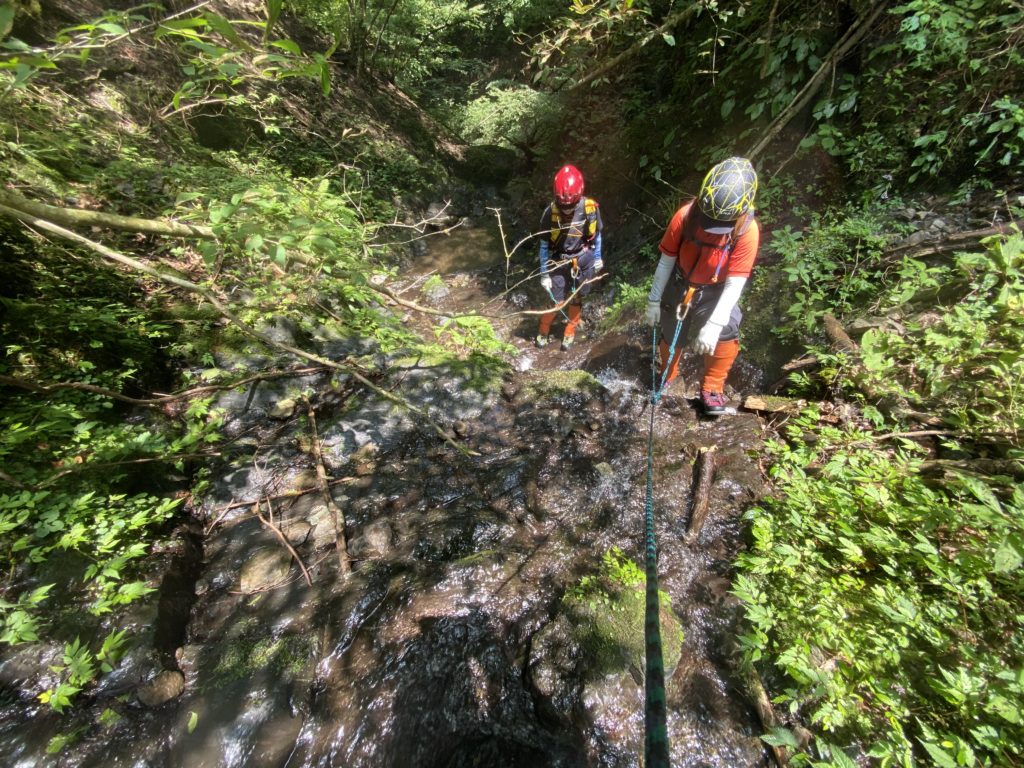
(568, 186)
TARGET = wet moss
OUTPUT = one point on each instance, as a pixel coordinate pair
(560, 384)
(608, 609)
(248, 655)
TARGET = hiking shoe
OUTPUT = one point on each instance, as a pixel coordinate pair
(541, 341)
(567, 342)
(713, 403)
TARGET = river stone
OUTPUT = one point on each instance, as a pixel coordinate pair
(554, 656)
(166, 686)
(267, 566)
(374, 541)
(439, 215)
(296, 531)
(435, 291)
(282, 409)
(322, 521)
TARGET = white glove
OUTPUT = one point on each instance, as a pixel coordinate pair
(707, 339)
(598, 265)
(545, 283)
(653, 314)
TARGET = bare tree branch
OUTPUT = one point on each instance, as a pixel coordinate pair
(34, 386)
(282, 538)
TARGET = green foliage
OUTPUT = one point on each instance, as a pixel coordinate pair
(891, 607)
(514, 116)
(472, 334)
(836, 264)
(963, 360)
(219, 57)
(411, 41)
(891, 604)
(959, 64)
(79, 669)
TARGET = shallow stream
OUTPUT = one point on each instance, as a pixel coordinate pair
(449, 644)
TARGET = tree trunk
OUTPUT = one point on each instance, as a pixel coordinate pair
(76, 217)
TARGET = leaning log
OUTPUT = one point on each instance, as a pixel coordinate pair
(704, 476)
(80, 217)
(774, 404)
(325, 492)
(837, 335)
(805, 95)
(750, 680)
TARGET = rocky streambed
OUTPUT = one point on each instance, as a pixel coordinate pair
(490, 616)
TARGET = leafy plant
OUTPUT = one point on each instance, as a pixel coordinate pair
(834, 265)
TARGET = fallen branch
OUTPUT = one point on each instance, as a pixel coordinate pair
(751, 682)
(838, 336)
(704, 476)
(34, 386)
(1011, 467)
(179, 282)
(772, 404)
(325, 492)
(73, 217)
(953, 242)
(282, 538)
(803, 97)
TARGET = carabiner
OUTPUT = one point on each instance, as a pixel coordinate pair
(684, 306)
(574, 272)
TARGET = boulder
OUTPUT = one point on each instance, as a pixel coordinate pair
(166, 686)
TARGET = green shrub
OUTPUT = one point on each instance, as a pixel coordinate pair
(891, 608)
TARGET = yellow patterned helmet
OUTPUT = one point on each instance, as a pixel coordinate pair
(728, 190)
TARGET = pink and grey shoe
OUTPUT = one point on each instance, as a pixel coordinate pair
(713, 403)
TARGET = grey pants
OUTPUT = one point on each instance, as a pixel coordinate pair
(703, 303)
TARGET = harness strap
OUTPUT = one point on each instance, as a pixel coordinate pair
(690, 235)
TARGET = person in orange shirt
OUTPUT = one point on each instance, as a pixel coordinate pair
(707, 255)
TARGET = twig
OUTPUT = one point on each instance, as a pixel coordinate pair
(493, 316)
(282, 538)
(911, 435)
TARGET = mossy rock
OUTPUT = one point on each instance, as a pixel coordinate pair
(488, 164)
(550, 385)
(252, 652)
(607, 611)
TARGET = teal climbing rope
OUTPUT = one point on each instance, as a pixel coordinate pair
(556, 303)
(655, 712)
